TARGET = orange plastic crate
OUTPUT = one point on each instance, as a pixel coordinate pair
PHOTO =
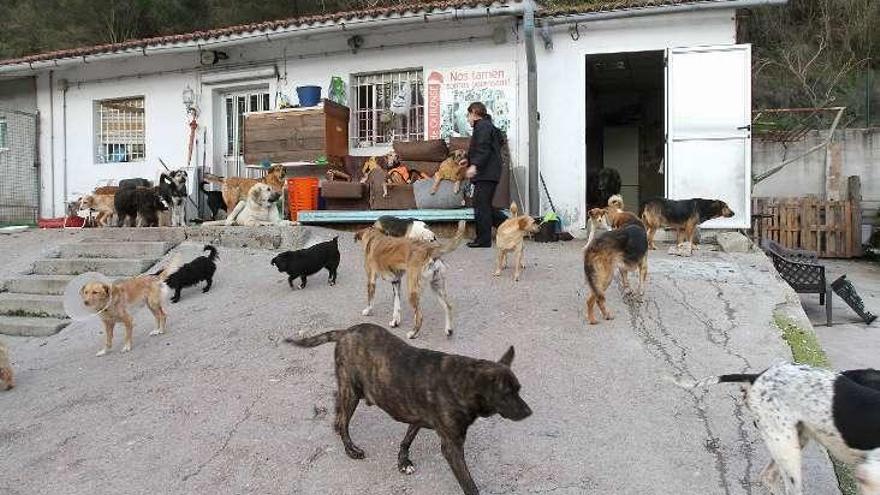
(302, 194)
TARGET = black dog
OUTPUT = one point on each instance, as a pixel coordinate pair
(309, 261)
(683, 214)
(143, 201)
(134, 183)
(215, 200)
(602, 185)
(197, 270)
(424, 388)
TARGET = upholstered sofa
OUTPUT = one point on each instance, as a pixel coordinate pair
(424, 156)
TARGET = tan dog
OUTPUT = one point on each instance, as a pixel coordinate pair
(371, 164)
(113, 301)
(7, 377)
(260, 208)
(100, 203)
(395, 256)
(509, 238)
(451, 169)
(235, 188)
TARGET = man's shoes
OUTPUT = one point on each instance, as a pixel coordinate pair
(475, 244)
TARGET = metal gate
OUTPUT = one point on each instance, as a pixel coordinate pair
(19, 168)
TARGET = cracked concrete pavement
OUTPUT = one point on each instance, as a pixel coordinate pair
(221, 405)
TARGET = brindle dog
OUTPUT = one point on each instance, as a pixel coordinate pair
(426, 389)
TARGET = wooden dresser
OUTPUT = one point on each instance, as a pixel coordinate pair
(297, 134)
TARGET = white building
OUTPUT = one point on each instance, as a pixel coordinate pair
(659, 90)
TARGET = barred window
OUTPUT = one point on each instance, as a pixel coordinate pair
(388, 106)
(120, 130)
(4, 134)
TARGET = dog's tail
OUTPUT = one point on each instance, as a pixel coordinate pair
(214, 179)
(453, 244)
(316, 340)
(714, 380)
(514, 210)
(212, 252)
(170, 268)
(202, 186)
(590, 272)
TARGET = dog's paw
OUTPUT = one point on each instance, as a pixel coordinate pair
(175, 301)
(496, 273)
(609, 316)
(448, 331)
(394, 323)
(412, 334)
(102, 352)
(594, 322)
(205, 290)
(126, 348)
(406, 467)
(354, 452)
(367, 311)
(157, 331)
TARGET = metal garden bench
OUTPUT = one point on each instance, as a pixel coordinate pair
(802, 271)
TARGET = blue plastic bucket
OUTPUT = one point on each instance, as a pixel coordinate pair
(309, 96)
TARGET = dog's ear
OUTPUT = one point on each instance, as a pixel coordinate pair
(507, 358)
(524, 222)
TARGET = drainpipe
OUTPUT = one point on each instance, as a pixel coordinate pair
(64, 87)
(52, 140)
(532, 88)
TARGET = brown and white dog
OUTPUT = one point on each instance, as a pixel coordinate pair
(7, 377)
(112, 302)
(235, 188)
(624, 248)
(393, 257)
(683, 215)
(509, 239)
(451, 170)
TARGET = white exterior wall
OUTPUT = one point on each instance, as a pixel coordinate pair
(313, 60)
(309, 61)
(562, 87)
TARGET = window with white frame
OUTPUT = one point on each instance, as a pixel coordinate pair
(119, 130)
(4, 134)
(388, 106)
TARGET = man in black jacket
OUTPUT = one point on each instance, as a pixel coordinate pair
(484, 158)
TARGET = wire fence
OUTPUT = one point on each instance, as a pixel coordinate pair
(19, 168)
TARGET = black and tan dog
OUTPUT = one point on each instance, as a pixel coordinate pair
(624, 247)
(423, 388)
(394, 257)
(684, 215)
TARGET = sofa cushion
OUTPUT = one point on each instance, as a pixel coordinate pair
(342, 190)
(429, 168)
(444, 199)
(433, 150)
(459, 143)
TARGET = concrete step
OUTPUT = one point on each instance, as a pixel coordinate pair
(26, 326)
(115, 249)
(32, 305)
(137, 234)
(39, 284)
(123, 267)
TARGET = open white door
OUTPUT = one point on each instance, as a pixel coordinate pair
(709, 141)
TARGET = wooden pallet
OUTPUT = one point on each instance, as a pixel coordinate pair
(830, 228)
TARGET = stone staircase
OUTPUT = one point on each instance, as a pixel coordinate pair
(31, 304)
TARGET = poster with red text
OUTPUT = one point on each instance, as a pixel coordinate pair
(450, 91)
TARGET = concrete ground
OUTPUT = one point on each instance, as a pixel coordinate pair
(220, 405)
(849, 342)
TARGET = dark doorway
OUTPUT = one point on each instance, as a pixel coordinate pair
(625, 125)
